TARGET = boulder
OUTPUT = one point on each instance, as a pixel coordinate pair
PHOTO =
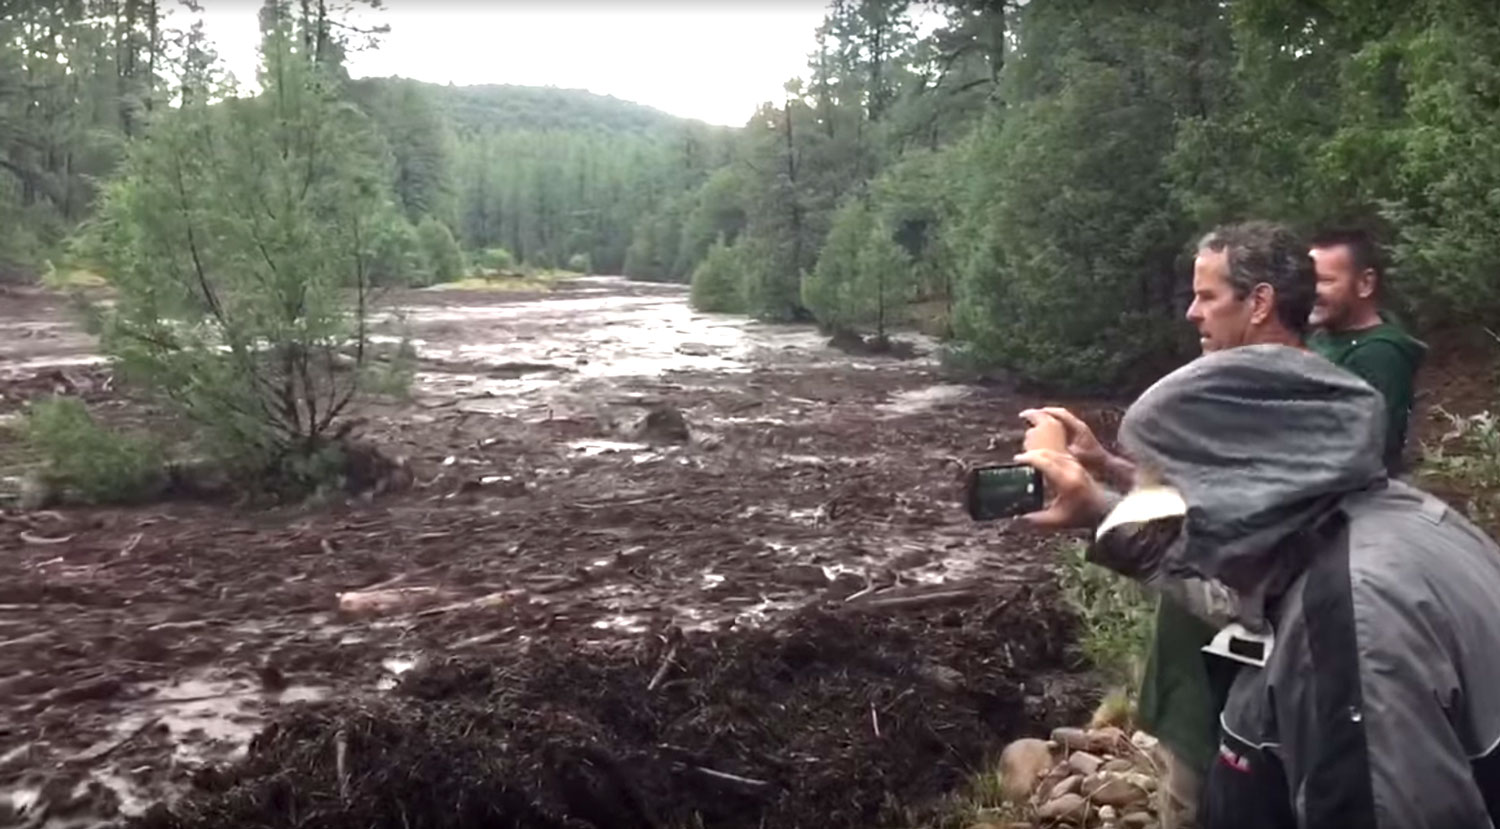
(1108, 740)
(1071, 739)
(1081, 762)
(1022, 765)
(1070, 808)
(1069, 785)
(1113, 791)
(662, 424)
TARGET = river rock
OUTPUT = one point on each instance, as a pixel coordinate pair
(1138, 820)
(1070, 808)
(38, 492)
(1057, 774)
(1108, 817)
(1081, 762)
(1144, 781)
(1143, 741)
(1108, 740)
(1022, 765)
(663, 424)
(1071, 739)
(1117, 764)
(1067, 786)
(1113, 791)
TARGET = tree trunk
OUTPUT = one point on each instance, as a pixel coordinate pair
(792, 201)
(153, 47)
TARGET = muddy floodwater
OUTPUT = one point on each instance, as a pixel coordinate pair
(140, 646)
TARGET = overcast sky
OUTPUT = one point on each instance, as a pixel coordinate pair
(714, 60)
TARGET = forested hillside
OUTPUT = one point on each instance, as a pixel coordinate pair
(1026, 177)
(1044, 168)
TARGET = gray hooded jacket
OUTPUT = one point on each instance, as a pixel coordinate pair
(1378, 705)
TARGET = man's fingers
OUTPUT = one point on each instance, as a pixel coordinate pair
(1035, 416)
(1047, 460)
(1072, 421)
(1050, 518)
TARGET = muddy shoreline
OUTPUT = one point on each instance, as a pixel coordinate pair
(154, 641)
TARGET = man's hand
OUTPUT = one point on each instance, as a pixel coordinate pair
(1046, 432)
(1081, 441)
(1083, 445)
(1075, 499)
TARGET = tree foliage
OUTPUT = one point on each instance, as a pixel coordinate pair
(1040, 167)
(443, 260)
(241, 236)
(717, 284)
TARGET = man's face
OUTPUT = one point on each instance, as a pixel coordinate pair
(1223, 320)
(1341, 289)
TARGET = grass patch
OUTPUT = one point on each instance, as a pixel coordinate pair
(1115, 622)
(1465, 463)
(506, 281)
(72, 279)
(980, 803)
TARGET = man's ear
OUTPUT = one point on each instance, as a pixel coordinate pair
(1262, 304)
(1366, 283)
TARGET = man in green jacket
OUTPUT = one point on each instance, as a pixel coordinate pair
(1253, 284)
(1355, 334)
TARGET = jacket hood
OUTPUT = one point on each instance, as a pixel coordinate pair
(1261, 441)
(1413, 349)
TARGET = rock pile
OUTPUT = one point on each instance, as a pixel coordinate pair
(1083, 777)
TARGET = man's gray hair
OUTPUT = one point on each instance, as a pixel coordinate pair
(1266, 252)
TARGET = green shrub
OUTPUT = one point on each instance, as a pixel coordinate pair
(1115, 616)
(863, 279)
(254, 331)
(1467, 459)
(396, 254)
(580, 263)
(495, 259)
(717, 281)
(100, 465)
(445, 262)
(391, 377)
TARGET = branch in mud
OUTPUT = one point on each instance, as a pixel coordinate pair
(732, 778)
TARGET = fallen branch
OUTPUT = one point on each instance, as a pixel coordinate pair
(634, 502)
(661, 672)
(31, 538)
(341, 763)
(939, 599)
(485, 601)
(94, 755)
(732, 778)
(21, 640)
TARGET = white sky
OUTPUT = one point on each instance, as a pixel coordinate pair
(715, 60)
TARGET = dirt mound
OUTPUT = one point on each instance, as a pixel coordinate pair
(831, 719)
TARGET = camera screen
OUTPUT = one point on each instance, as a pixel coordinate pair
(1004, 492)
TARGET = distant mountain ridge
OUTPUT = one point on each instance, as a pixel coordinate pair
(511, 107)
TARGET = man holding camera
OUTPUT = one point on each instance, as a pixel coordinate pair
(1252, 284)
(1355, 670)
(1260, 504)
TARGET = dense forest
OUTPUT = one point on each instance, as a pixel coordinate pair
(1026, 178)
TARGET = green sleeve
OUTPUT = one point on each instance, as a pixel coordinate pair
(1177, 704)
(1383, 366)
